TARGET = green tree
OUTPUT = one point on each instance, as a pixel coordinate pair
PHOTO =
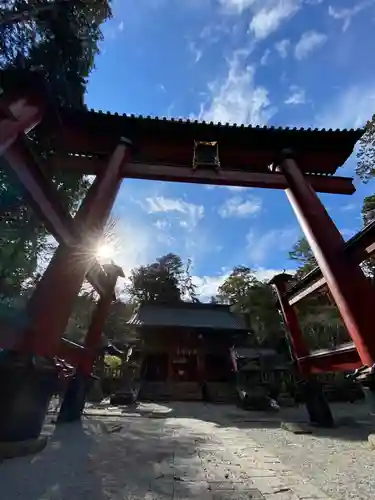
(116, 327)
(368, 216)
(254, 299)
(368, 209)
(302, 253)
(165, 281)
(318, 316)
(61, 43)
(366, 153)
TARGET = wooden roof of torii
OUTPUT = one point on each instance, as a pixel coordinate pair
(81, 140)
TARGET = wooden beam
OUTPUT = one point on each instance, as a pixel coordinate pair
(317, 285)
(43, 198)
(340, 359)
(70, 352)
(225, 177)
(40, 192)
(360, 247)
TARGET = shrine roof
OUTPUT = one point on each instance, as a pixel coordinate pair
(82, 139)
(188, 315)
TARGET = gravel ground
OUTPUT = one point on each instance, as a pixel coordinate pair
(339, 461)
(188, 450)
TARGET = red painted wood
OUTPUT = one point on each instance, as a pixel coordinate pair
(298, 344)
(53, 299)
(70, 352)
(17, 116)
(225, 177)
(342, 359)
(353, 294)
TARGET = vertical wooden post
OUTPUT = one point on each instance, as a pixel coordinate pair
(316, 404)
(352, 292)
(297, 342)
(51, 304)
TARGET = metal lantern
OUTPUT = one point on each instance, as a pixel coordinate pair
(206, 155)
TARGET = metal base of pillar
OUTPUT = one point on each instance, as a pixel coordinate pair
(317, 405)
(26, 389)
(74, 398)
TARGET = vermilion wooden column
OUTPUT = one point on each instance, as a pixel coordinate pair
(92, 340)
(52, 302)
(291, 321)
(352, 292)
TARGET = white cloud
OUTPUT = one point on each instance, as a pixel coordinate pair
(282, 47)
(269, 18)
(296, 96)
(121, 26)
(349, 207)
(260, 246)
(237, 6)
(189, 213)
(267, 15)
(265, 274)
(237, 99)
(346, 14)
(265, 57)
(230, 188)
(240, 207)
(309, 41)
(197, 53)
(351, 109)
(207, 286)
(162, 224)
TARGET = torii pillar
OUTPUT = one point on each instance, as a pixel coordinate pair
(352, 292)
(27, 368)
(316, 404)
(81, 383)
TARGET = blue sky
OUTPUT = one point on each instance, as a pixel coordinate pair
(278, 62)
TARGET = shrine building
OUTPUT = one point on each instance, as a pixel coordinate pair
(185, 346)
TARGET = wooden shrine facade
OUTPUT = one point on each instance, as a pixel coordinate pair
(188, 342)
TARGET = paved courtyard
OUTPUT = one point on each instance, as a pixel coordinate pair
(185, 451)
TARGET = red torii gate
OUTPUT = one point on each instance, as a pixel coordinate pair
(113, 147)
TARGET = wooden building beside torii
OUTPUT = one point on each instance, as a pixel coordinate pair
(37, 137)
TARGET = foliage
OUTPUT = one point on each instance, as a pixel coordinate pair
(116, 327)
(166, 280)
(368, 209)
(60, 42)
(319, 318)
(368, 216)
(366, 153)
(302, 253)
(254, 299)
(113, 362)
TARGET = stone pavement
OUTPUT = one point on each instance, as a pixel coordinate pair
(179, 452)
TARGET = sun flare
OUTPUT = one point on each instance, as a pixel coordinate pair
(104, 251)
